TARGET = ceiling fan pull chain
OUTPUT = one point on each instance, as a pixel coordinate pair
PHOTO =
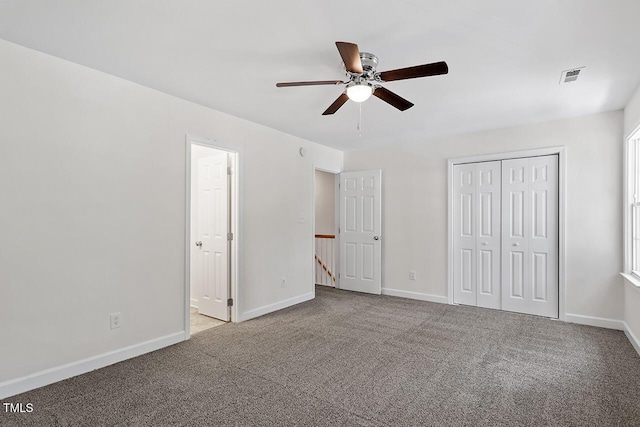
(359, 120)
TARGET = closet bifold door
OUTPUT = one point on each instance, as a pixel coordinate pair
(476, 227)
(464, 234)
(530, 235)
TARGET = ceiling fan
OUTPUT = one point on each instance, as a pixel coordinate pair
(363, 78)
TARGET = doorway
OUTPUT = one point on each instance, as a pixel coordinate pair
(354, 223)
(211, 248)
(326, 228)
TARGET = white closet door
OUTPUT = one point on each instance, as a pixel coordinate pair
(477, 234)
(488, 240)
(464, 229)
(530, 235)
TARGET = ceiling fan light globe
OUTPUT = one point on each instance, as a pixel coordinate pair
(359, 93)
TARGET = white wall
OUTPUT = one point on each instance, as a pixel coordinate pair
(632, 310)
(325, 203)
(414, 225)
(632, 113)
(631, 293)
(92, 177)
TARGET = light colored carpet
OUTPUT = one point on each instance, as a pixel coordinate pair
(199, 322)
(347, 359)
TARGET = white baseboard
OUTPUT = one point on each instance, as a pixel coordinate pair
(595, 321)
(59, 373)
(266, 309)
(193, 303)
(415, 295)
(631, 336)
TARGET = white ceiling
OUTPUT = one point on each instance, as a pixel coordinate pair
(505, 57)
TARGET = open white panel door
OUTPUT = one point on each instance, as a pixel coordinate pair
(360, 231)
(530, 235)
(212, 246)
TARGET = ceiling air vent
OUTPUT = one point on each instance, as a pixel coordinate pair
(571, 75)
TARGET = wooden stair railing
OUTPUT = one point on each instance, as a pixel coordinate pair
(324, 267)
(321, 262)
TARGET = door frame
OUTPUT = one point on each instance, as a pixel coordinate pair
(236, 225)
(336, 218)
(561, 152)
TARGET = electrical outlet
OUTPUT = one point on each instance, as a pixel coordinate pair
(283, 282)
(116, 320)
(301, 218)
(412, 275)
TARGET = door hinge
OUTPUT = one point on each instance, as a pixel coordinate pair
(230, 302)
(229, 170)
(229, 236)
(338, 275)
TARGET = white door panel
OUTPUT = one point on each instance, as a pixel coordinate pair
(467, 275)
(477, 234)
(530, 245)
(488, 242)
(213, 226)
(505, 224)
(464, 229)
(360, 231)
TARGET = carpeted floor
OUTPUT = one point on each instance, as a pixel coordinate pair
(347, 359)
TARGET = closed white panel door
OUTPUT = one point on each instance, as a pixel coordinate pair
(530, 235)
(212, 247)
(488, 236)
(476, 226)
(360, 231)
(465, 231)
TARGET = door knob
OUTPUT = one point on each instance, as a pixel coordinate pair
(485, 244)
(376, 237)
(516, 244)
(199, 243)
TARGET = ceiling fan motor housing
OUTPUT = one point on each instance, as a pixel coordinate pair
(369, 65)
(369, 62)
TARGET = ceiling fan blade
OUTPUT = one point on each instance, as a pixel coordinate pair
(425, 70)
(350, 56)
(312, 83)
(336, 104)
(391, 98)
